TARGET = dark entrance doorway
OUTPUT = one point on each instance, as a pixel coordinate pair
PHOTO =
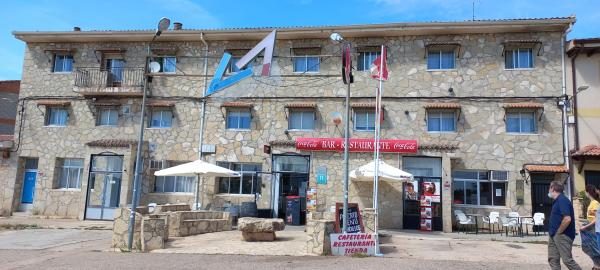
(540, 203)
(291, 179)
(427, 173)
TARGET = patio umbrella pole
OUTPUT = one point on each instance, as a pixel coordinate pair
(377, 137)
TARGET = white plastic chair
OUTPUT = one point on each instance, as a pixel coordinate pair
(491, 220)
(538, 221)
(509, 223)
(464, 221)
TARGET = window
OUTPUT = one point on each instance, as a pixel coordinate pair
(70, 173)
(63, 63)
(56, 116)
(238, 118)
(438, 59)
(173, 184)
(249, 183)
(234, 59)
(480, 187)
(161, 118)
(364, 120)
(365, 59)
(301, 119)
(107, 116)
(518, 58)
(168, 64)
(306, 64)
(441, 121)
(520, 122)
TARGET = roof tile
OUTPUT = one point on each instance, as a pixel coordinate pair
(547, 168)
(111, 143)
(442, 105)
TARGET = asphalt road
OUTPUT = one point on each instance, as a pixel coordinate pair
(43, 259)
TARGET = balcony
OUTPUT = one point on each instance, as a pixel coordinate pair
(109, 82)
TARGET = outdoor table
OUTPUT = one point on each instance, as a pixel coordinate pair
(520, 221)
(476, 216)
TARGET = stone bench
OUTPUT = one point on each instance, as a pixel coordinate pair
(185, 223)
(260, 229)
(163, 208)
(200, 226)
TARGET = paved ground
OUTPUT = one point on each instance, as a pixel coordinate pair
(81, 246)
(291, 242)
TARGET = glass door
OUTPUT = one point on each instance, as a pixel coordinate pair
(115, 72)
(422, 197)
(104, 187)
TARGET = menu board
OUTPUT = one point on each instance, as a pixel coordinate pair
(354, 224)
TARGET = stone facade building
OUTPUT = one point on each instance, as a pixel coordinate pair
(479, 97)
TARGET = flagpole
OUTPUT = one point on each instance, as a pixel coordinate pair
(376, 158)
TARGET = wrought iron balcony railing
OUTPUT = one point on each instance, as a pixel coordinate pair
(109, 81)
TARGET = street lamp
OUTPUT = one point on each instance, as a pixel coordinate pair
(163, 25)
(347, 78)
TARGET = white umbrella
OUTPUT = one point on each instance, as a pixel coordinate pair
(386, 173)
(197, 168)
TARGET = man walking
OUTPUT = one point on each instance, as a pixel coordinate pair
(561, 229)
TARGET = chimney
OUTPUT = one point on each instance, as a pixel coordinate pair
(177, 26)
(77, 29)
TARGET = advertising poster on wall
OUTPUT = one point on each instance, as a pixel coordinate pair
(432, 191)
(426, 225)
(311, 199)
(411, 190)
(426, 213)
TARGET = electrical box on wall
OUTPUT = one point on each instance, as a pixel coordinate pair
(571, 119)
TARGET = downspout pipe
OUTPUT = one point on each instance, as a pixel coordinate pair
(197, 203)
(574, 81)
(565, 101)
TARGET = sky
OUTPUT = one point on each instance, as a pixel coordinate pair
(56, 15)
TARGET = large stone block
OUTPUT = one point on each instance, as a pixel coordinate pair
(121, 230)
(153, 231)
(258, 236)
(318, 232)
(249, 224)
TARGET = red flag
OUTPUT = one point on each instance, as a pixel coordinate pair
(377, 69)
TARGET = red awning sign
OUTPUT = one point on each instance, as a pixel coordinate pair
(356, 145)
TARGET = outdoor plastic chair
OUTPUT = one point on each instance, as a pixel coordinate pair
(491, 220)
(508, 223)
(464, 221)
(538, 221)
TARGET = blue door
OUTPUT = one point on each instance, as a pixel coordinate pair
(28, 187)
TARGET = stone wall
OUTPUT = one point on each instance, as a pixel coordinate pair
(121, 230)
(153, 234)
(318, 232)
(8, 173)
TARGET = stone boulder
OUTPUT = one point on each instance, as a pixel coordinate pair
(260, 229)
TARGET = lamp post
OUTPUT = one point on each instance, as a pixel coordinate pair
(163, 25)
(335, 37)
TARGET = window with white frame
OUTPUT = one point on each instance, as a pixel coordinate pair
(249, 182)
(306, 63)
(63, 63)
(232, 63)
(107, 116)
(518, 58)
(161, 118)
(479, 187)
(168, 64)
(173, 184)
(365, 59)
(440, 59)
(364, 120)
(441, 121)
(70, 173)
(301, 119)
(521, 122)
(238, 118)
(56, 116)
